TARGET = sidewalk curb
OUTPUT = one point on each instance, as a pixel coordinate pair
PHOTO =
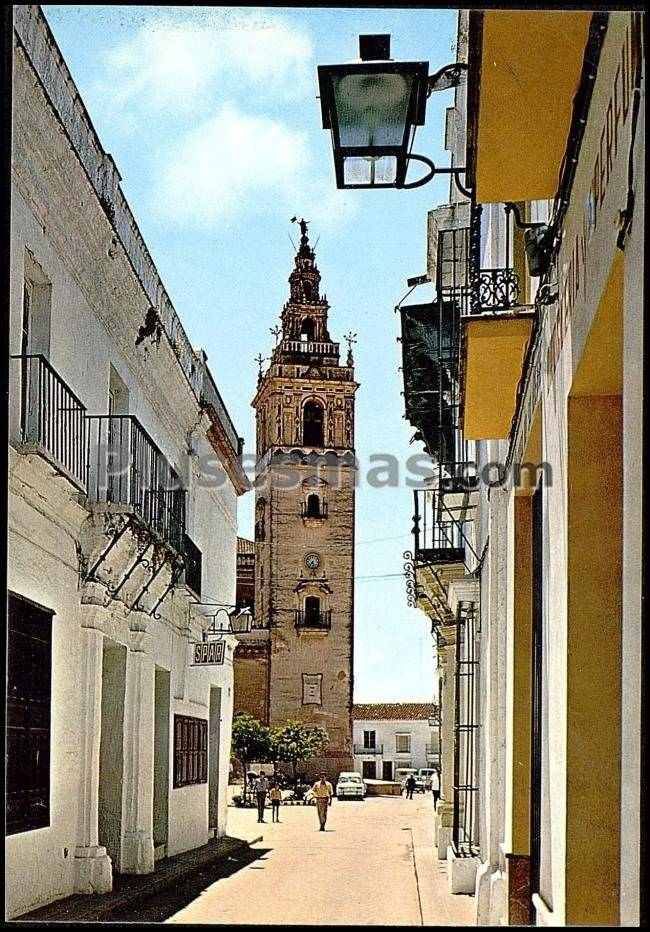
(151, 885)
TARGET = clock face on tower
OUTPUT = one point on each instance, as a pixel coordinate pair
(312, 561)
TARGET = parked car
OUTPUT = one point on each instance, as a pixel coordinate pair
(427, 773)
(350, 785)
(404, 773)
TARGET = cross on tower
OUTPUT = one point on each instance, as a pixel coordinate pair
(259, 359)
(350, 338)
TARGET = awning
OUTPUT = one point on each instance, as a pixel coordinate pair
(524, 70)
(493, 350)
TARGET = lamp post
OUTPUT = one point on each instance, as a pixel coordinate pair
(372, 108)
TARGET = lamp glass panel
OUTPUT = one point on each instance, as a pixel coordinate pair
(372, 109)
(370, 170)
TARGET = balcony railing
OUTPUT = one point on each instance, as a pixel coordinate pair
(498, 289)
(51, 415)
(318, 620)
(311, 347)
(434, 541)
(311, 512)
(362, 749)
(193, 565)
(126, 467)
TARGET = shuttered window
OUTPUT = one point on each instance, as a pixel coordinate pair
(190, 750)
(29, 695)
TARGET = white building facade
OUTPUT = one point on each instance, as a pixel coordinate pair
(121, 553)
(389, 736)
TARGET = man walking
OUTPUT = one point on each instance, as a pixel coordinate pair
(435, 787)
(410, 786)
(323, 793)
(261, 788)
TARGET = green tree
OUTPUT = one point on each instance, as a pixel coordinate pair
(294, 742)
(251, 741)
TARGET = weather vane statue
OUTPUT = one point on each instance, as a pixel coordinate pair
(303, 224)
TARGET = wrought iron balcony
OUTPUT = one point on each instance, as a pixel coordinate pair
(435, 542)
(498, 289)
(321, 621)
(362, 749)
(126, 467)
(52, 419)
(193, 565)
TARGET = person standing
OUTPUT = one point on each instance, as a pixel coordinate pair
(261, 788)
(323, 793)
(410, 786)
(435, 787)
(275, 795)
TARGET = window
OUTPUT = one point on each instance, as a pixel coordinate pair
(312, 610)
(190, 750)
(313, 506)
(307, 328)
(369, 739)
(312, 424)
(403, 744)
(29, 694)
(312, 688)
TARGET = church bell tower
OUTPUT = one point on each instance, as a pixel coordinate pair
(304, 518)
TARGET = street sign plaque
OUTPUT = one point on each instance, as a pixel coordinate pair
(208, 652)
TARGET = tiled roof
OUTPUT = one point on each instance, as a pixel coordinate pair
(375, 711)
(245, 546)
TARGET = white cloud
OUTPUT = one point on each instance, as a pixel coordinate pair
(178, 64)
(235, 162)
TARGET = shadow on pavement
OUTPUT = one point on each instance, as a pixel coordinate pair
(166, 903)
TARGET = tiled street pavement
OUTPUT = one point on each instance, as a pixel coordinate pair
(373, 865)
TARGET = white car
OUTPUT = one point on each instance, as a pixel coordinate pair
(426, 773)
(350, 786)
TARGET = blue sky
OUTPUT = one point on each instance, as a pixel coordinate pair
(212, 118)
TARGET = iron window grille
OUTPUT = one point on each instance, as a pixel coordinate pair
(29, 696)
(190, 751)
(466, 788)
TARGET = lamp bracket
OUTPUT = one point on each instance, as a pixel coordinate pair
(434, 170)
(446, 77)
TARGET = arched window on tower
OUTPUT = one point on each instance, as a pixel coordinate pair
(307, 330)
(313, 418)
(313, 506)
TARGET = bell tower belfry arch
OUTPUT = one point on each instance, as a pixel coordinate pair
(304, 517)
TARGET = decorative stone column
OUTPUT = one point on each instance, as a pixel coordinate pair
(93, 871)
(445, 807)
(137, 849)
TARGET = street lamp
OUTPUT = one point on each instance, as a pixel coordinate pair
(372, 108)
